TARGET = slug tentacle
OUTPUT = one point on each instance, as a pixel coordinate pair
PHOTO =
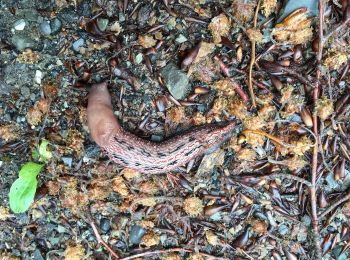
(145, 156)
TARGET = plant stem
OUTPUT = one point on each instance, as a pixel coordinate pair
(252, 59)
(313, 188)
(101, 241)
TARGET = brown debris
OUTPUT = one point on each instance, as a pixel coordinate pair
(295, 28)
(9, 132)
(193, 206)
(76, 252)
(219, 26)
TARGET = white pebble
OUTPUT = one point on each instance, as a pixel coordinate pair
(20, 24)
(38, 76)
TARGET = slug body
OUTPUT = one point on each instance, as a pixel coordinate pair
(145, 156)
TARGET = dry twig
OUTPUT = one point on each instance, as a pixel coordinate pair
(273, 138)
(165, 251)
(252, 59)
(313, 188)
(100, 240)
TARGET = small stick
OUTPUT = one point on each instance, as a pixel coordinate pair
(288, 176)
(165, 251)
(273, 138)
(100, 240)
(252, 60)
(313, 188)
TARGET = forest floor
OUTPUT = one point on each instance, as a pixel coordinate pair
(278, 189)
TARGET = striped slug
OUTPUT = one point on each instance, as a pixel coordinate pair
(145, 156)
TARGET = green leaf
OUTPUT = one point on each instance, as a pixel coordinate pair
(22, 194)
(45, 154)
(30, 170)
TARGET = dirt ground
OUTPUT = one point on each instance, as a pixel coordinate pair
(277, 189)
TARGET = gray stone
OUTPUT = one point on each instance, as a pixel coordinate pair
(67, 161)
(283, 230)
(25, 91)
(105, 225)
(56, 25)
(136, 234)
(37, 255)
(22, 42)
(5, 89)
(176, 81)
(181, 39)
(102, 24)
(78, 44)
(85, 8)
(68, 16)
(144, 14)
(45, 28)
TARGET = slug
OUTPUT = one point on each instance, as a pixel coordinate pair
(145, 156)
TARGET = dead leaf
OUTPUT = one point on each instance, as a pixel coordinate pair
(210, 161)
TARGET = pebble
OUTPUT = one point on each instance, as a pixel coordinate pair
(38, 77)
(36, 214)
(144, 14)
(157, 138)
(67, 161)
(306, 220)
(20, 24)
(105, 225)
(102, 24)
(37, 255)
(85, 8)
(120, 244)
(61, 229)
(45, 28)
(181, 39)
(176, 81)
(78, 44)
(56, 25)
(25, 91)
(22, 42)
(139, 58)
(54, 240)
(136, 234)
(283, 229)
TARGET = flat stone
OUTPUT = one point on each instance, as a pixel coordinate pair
(56, 25)
(37, 255)
(181, 39)
(67, 161)
(102, 24)
(45, 28)
(22, 42)
(19, 25)
(176, 81)
(136, 234)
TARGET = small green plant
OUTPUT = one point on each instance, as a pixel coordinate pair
(23, 190)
